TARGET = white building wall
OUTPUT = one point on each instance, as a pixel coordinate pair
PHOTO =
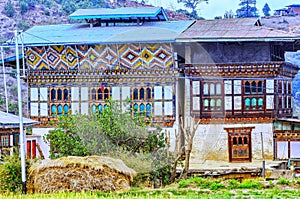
(211, 142)
(38, 134)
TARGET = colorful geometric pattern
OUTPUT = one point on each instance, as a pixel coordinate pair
(95, 57)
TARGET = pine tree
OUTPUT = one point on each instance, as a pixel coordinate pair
(248, 9)
(192, 4)
(9, 9)
(266, 10)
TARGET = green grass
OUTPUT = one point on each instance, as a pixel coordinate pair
(196, 187)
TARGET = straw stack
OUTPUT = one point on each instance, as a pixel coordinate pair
(91, 173)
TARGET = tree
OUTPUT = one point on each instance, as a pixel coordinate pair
(9, 9)
(266, 10)
(248, 9)
(192, 4)
(228, 14)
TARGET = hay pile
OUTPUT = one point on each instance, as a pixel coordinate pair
(79, 174)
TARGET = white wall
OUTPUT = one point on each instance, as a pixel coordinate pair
(39, 133)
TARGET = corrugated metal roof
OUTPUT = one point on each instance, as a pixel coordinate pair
(241, 29)
(8, 120)
(107, 13)
(149, 32)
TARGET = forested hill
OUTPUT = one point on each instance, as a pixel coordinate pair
(22, 14)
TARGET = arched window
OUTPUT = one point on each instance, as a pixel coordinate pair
(212, 104)
(260, 87)
(205, 89)
(247, 103)
(212, 89)
(94, 94)
(66, 109)
(94, 108)
(205, 104)
(253, 102)
(260, 102)
(245, 140)
(100, 95)
(66, 94)
(253, 87)
(100, 108)
(59, 110)
(53, 109)
(142, 109)
(219, 104)
(135, 108)
(142, 93)
(148, 110)
(234, 141)
(148, 91)
(53, 94)
(240, 141)
(247, 88)
(218, 89)
(106, 93)
(59, 94)
(135, 94)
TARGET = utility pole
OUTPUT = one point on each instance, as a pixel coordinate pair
(263, 156)
(22, 136)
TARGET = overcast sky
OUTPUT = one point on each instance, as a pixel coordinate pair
(218, 7)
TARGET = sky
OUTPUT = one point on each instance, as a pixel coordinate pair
(218, 7)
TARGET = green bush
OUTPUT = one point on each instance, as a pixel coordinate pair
(23, 6)
(233, 183)
(250, 184)
(283, 181)
(10, 174)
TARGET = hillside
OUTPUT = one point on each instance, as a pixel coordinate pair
(50, 12)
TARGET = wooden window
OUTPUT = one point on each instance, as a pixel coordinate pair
(98, 98)
(213, 97)
(59, 109)
(59, 94)
(5, 141)
(239, 144)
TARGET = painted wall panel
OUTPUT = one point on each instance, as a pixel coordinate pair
(228, 87)
(237, 103)
(44, 109)
(196, 103)
(115, 94)
(295, 149)
(34, 94)
(270, 101)
(237, 86)
(74, 93)
(43, 94)
(168, 92)
(282, 150)
(84, 108)
(270, 86)
(228, 103)
(157, 92)
(84, 94)
(196, 87)
(158, 108)
(168, 108)
(75, 108)
(125, 93)
(34, 109)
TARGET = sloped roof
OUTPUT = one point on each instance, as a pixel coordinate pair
(237, 29)
(149, 32)
(8, 120)
(124, 12)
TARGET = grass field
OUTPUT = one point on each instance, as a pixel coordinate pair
(190, 188)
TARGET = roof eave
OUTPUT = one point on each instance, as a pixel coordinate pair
(234, 39)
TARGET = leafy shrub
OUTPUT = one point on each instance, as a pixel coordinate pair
(216, 186)
(250, 184)
(9, 9)
(10, 174)
(233, 183)
(283, 181)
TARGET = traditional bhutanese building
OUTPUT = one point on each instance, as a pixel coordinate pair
(10, 134)
(118, 54)
(230, 74)
(238, 85)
